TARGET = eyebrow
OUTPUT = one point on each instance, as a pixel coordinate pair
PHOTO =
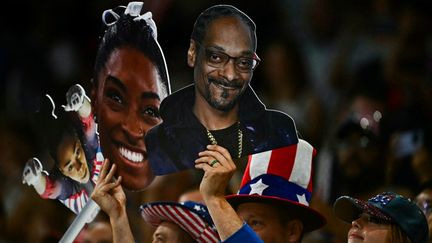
(150, 95)
(144, 95)
(219, 48)
(117, 82)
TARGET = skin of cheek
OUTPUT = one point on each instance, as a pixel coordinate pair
(126, 75)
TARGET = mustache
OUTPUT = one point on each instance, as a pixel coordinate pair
(230, 84)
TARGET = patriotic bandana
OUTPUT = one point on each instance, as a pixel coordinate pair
(192, 217)
(282, 176)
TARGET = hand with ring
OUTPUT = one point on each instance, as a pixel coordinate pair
(218, 169)
(215, 161)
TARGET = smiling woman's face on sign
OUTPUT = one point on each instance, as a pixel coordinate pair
(126, 104)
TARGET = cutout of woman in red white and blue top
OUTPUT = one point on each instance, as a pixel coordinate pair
(73, 144)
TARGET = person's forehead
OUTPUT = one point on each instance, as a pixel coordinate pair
(168, 227)
(100, 229)
(122, 57)
(229, 30)
(257, 208)
(132, 66)
(66, 146)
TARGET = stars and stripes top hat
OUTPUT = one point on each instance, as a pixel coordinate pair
(192, 217)
(282, 177)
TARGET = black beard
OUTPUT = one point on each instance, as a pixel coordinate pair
(214, 103)
(224, 108)
(225, 94)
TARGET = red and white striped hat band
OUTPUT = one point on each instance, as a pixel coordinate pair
(190, 216)
(282, 176)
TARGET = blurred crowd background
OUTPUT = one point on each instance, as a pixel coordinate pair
(356, 76)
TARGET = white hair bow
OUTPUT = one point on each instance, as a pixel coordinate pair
(133, 9)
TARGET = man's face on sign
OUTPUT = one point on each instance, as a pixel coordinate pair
(223, 62)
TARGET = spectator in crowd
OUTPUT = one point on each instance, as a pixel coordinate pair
(174, 222)
(109, 195)
(180, 222)
(387, 217)
(273, 199)
(421, 161)
(356, 146)
(98, 231)
(408, 159)
(191, 195)
(424, 201)
(289, 90)
(354, 163)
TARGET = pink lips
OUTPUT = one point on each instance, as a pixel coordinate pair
(355, 236)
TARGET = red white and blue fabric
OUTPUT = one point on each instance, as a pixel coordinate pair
(73, 194)
(281, 176)
(284, 173)
(78, 200)
(190, 216)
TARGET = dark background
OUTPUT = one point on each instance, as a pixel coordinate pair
(46, 46)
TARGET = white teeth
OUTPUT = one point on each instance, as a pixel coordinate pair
(226, 87)
(130, 155)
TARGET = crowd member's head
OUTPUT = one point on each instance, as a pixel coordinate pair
(130, 81)
(359, 150)
(357, 144)
(191, 195)
(387, 217)
(98, 231)
(179, 222)
(424, 201)
(275, 194)
(222, 33)
(421, 162)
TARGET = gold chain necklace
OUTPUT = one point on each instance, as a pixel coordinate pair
(239, 136)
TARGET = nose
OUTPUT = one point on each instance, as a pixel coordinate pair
(77, 165)
(229, 70)
(356, 223)
(133, 126)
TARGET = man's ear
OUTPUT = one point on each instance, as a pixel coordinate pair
(191, 54)
(294, 231)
